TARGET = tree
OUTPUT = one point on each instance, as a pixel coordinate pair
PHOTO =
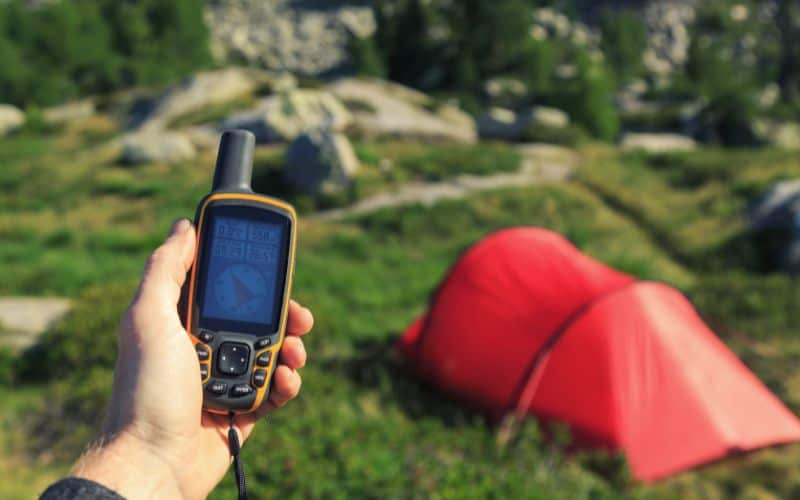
(624, 39)
(61, 50)
(787, 20)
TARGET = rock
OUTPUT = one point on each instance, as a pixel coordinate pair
(668, 25)
(775, 209)
(24, 319)
(283, 81)
(739, 13)
(203, 136)
(11, 118)
(197, 92)
(385, 109)
(68, 112)
(769, 95)
(320, 162)
(657, 143)
(282, 117)
(156, 147)
(774, 219)
(549, 23)
(637, 87)
(505, 91)
(499, 123)
(784, 135)
(504, 124)
(305, 38)
(456, 117)
(546, 117)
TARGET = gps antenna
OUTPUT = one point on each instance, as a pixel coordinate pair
(234, 169)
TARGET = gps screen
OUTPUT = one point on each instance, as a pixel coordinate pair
(242, 270)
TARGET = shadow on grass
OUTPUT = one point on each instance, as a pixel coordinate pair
(376, 365)
(753, 252)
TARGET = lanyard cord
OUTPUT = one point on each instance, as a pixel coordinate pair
(238, 468)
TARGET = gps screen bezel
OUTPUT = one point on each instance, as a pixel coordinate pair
(252, 212)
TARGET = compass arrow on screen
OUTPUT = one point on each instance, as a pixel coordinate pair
(241, 291)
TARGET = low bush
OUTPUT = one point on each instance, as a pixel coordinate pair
(571, 135)
(86, 339)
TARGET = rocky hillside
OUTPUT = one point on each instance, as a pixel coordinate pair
(306, 38)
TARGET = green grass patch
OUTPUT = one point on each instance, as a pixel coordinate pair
(80, 226)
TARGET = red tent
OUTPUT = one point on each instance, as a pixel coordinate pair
(524, 321)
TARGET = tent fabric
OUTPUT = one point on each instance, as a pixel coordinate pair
(525, 321)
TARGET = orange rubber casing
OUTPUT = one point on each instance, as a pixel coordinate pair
(274, 349)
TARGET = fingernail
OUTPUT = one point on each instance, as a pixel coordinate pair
(180, 226)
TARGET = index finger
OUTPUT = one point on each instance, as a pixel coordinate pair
(300, 319)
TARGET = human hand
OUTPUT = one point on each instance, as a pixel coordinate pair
(157, 441)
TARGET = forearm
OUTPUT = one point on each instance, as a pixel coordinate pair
(129, 467)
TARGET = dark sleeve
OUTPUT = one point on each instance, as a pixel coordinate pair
(73, 488)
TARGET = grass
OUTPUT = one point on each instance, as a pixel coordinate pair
(385, 166)
(79, 225)
(214, 112)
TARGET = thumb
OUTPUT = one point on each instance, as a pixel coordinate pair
(166, 268)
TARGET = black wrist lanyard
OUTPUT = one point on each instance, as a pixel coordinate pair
(238, 468)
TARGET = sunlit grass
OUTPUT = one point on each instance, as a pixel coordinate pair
(79, 224)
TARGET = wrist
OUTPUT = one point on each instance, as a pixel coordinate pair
(128, 466)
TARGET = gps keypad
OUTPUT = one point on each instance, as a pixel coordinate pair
(232, 358)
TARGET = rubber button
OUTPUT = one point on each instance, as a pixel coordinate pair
(259, 377)
(262, 343)
(203, 371)
(217, 387)
(263, 358)
(206, 336)
(202, 352)
(240, 390)
(232, 358)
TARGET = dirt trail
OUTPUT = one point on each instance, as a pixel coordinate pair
(540, 163)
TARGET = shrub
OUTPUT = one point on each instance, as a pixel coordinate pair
(458, 45)
(367, 57)
(589, 99)
(571, 135)
(729, 89)
(86, 339)
(455, 44)
(624, 40)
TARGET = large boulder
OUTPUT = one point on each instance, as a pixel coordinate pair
(386, 109)
(284, 116)
(774, 219)
(24, 319)
(320, 161)
(11, 118)
(196, 92)
(507, 125)
(156, 147)
(68, 112)
(657, 143)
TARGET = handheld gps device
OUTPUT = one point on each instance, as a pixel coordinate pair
(236, 296)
